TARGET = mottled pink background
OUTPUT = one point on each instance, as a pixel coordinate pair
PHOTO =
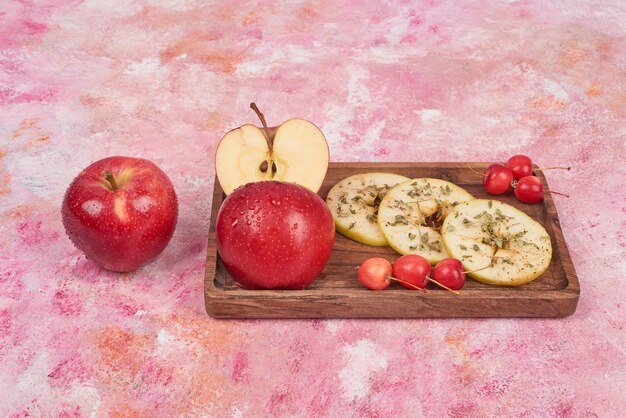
(391, 81)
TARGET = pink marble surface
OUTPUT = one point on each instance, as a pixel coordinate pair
(392, 81)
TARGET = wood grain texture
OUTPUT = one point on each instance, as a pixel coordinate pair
(338, 294)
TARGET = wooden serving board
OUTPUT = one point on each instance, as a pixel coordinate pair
(338, 294)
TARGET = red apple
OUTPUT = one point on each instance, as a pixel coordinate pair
(274, 235)
(121, 212)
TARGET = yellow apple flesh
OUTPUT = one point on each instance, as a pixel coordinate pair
(354, 201)
(406, 213)
(296, 152)
(501, 244)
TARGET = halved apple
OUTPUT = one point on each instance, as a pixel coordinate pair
(295, 151)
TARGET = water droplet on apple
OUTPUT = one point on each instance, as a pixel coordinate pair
(234, 222)
(92, 207)
(275, 202)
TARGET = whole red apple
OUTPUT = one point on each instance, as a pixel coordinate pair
(274, 235)
(121, 212)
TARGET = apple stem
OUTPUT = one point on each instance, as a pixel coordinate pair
(268, 138)
(444, 286)
(109, 177)
(268, 164)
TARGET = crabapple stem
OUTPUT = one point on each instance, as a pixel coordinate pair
(474, 171)
(554, 168)
(444, 286)
(108, 176)
(482, 268)
(559, 193)
(407, 283)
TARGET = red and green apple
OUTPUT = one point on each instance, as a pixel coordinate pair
(121, 212)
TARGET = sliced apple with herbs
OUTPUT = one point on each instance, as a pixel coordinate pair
(503, 244)
(354, 203)
(411, 213)
(295, 151)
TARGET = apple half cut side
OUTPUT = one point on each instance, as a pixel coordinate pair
(295, 151)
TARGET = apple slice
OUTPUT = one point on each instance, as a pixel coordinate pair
(503, 244)
(409, 215)
(354, 202)
(295, 151)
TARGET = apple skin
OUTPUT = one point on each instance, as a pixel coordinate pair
(274, 235)
(123, 229)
